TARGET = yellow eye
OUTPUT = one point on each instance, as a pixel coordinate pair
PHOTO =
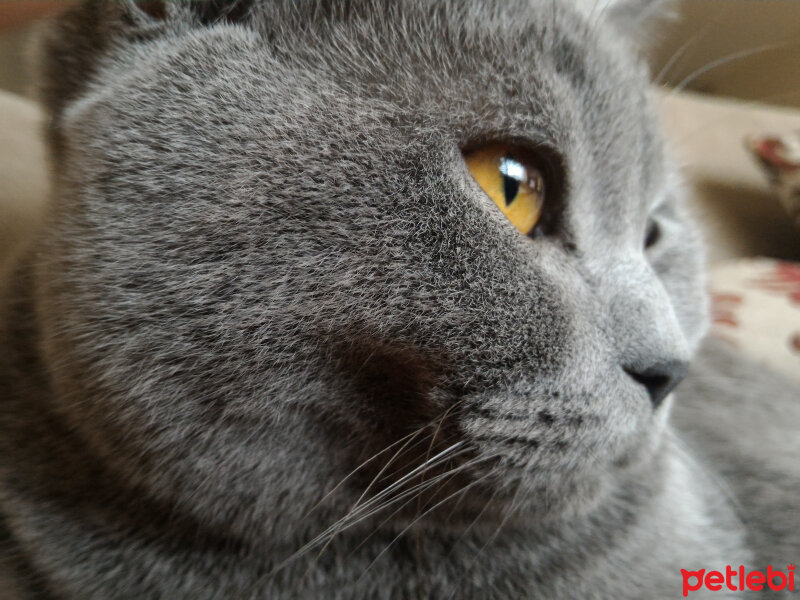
(511, 180)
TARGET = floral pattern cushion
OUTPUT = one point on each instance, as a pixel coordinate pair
(779, 159)
(756, 307)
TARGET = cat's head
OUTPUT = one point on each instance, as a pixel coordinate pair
(268, 260)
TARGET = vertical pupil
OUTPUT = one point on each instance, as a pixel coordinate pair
(513, 173)
(510, 188)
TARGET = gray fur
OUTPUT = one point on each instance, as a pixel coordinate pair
(266, 263)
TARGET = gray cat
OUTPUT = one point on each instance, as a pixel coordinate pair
(279, 338)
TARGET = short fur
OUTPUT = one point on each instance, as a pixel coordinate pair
(268, 291)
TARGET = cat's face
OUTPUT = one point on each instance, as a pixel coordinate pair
(269, 260)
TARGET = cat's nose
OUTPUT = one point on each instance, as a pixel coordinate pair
(660, 379)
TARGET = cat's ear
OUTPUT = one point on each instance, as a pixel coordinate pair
(635, 19)
(74, 44)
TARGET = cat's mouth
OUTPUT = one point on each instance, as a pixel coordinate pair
(456, 469)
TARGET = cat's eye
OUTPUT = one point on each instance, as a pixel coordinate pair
(510, 178)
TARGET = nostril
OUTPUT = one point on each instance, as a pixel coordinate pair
(655, 385)
(660, 379)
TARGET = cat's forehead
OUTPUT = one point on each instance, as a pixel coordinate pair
(334, 84)
(511, 50)
(531, 71)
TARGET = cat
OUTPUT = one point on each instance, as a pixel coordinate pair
(275, 339)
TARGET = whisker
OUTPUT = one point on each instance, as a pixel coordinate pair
(436, 479)
(391, 460)
(436, 433)
(698, 35)
(417, 519)
(342, 523)
(355, 517)
(425, 465)
(723, 60)
(407, 439)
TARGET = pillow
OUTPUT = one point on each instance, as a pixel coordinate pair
(756, 307)
(779, 158)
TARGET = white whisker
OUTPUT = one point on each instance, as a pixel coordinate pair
(416, 520)
(723, 60)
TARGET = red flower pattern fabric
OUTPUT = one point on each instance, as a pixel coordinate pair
(755, 305)
(779, 159)
(783, 278)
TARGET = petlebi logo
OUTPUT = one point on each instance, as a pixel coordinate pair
(737, 579)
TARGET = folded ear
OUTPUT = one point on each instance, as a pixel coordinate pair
(633, 18)
(74, 44)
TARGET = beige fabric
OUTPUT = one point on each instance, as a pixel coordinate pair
(740, 214)
(23, 175)
(778, 155)
(756, 308)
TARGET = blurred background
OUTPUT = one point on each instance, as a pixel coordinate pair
(745, 49)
